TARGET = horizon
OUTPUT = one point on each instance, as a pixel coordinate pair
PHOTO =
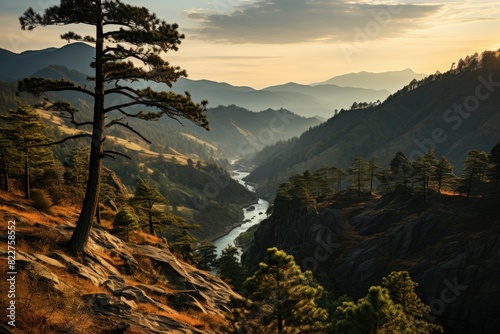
(225, 82)
(240, 42)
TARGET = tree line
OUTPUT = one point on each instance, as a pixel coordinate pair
(281, 298)
(425, 175)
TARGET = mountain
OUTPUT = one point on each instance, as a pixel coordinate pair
(303, 100)
(240, 132)
(432, 115)
(391, 80)
(77, 56)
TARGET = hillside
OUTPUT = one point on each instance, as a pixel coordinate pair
(450, 246)
(114, 287)
(235, 131)
(432, 115)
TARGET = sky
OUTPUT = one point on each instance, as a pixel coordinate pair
(260, 43)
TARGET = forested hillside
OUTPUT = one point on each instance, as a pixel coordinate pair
(450, 113)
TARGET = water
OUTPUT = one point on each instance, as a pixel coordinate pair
(252, 217)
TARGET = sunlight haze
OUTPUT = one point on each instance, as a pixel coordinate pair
(263, 43)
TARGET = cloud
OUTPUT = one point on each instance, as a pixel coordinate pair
(297, 21)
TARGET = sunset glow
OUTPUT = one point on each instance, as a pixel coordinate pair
(262, 43)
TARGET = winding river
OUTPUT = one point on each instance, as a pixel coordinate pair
(253, 215)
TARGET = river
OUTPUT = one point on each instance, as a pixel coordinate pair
(252, 217)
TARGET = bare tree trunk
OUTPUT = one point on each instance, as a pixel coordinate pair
(83, 226)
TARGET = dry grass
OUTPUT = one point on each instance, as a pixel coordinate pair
(141, 238)
(111, 257)
(42, 309)
(202, 321)
(42, 241)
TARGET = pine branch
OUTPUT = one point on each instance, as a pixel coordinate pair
(111, 154)
(81, 135)
(37, 86)
(126, 125)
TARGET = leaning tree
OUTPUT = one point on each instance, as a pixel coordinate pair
(129, 42)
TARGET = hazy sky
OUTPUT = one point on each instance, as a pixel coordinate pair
(260, 43)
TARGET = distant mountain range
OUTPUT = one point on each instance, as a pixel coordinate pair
(436, 115)
(306, 100)
(391, 81)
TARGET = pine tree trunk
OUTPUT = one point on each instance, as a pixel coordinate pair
(5, 171)
(425, 186)
(151, 229)
(98, 214)
(469, 188)
(83, 226)
(371, 180)
(27, 174)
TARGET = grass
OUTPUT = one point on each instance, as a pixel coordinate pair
(43, 309)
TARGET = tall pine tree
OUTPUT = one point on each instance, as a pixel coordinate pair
(360, 175)
(443, 175)
(122, 33)
(473, 173)
(146, 198)
(24, 130)
(283, 299)
(494, 171)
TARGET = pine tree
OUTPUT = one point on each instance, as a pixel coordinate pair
(402, 292)
(473, 173)
(338, 177)
(125, 222)
(443, 174)
(122, 33)
(402, 168)
(229, 268)
(77, 167)
(207, 255)
(146, 198)
(283, 298)
(181, 242)
(494, 171)
(360, 175)
(372, 165)
(375, 313)
(423, 170)
(24, 130)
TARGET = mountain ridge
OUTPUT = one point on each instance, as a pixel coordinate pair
(389, 80)
(402, 123)
(78, 56)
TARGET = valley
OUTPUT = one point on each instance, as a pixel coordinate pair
(350, 185)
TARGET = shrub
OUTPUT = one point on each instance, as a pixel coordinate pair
(41, 200)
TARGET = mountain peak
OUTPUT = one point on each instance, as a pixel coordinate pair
(390, 80)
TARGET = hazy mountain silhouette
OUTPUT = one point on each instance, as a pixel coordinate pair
(412, 121)
(304, 100)
(391, 80)
(77, 56)
(301, 99)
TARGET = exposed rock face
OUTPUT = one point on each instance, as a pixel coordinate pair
(450, 246)
(120, 303)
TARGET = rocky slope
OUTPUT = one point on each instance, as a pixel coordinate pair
(450, 246)
(118, 286)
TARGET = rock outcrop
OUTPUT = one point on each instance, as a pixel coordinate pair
(450, 246)
(122, 302)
